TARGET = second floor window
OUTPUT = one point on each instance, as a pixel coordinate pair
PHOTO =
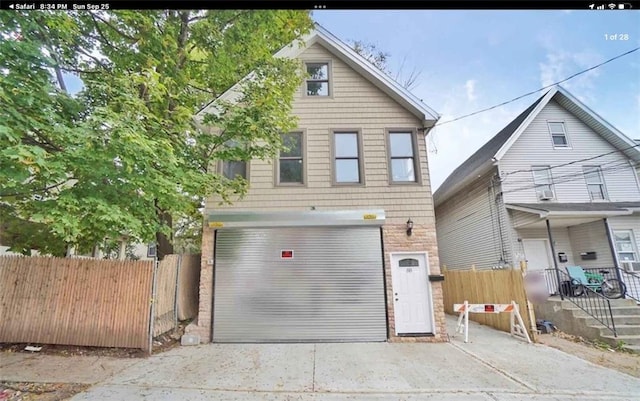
(558, 134)
(542, 182)
(347, 158)
(402, 157)
(595, 182)
(318, 79)
(234, 168)
(290, 163)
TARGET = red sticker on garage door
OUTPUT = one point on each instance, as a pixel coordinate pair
(286, 254)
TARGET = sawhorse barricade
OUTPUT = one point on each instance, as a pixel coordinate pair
(517, 328)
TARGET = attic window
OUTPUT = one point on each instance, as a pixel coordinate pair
(318, 79)
(558, 134)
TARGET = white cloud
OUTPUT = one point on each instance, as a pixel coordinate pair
(470, 86)
(560, 64)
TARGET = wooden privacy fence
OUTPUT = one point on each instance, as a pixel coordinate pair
(486, 287)
(95, 302)
(89, 302)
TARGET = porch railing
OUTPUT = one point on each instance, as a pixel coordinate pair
(591, 302)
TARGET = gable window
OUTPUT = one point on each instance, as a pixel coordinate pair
(290, 163)
(318, 79)
(402, 155)
(595, 182)
(625, 246)
(542, 181)
(347, 167)
(558, 134)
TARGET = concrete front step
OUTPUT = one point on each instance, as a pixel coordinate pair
(621, 329)
(615, 310)
(632, 341)
(633, 320)
(594, 301)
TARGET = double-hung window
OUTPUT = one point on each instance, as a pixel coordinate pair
(595, 182)
(291, 161)
(558, 134)
(231, 169)
(625, 246)
(347, 167)
(317, 83)
(542, 181)
(402, 157)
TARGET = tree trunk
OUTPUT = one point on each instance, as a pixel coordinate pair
(164, 244)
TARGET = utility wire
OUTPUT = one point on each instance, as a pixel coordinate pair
(571, 162)
(539, 90)
(566, 174)
(571, 177)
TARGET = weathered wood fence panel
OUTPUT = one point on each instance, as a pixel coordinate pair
(188, 287)
(485, 287)
(88, 302)
(165, 314)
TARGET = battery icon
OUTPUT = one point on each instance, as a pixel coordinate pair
(621, 6)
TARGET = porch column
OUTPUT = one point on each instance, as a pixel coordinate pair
(555, 261)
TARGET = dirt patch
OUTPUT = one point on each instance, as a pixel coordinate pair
(161, 343)
(597, 353)
(13, 391)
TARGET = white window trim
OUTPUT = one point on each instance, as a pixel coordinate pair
(634, 247)
(549, 175)
(566, 134)
(605, 193)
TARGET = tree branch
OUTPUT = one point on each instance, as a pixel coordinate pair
(116, 30)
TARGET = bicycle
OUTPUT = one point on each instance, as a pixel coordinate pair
(609, 288)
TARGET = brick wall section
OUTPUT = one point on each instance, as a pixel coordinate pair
(423, 239)
(202, 326)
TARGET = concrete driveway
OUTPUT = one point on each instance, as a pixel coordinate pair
(492, 367)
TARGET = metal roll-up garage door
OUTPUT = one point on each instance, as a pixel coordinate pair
(329, 288)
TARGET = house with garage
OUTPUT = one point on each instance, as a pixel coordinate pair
(335, 239)
(557, 187)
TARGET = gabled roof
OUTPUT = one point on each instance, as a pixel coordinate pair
(483, 160)
(360, 64)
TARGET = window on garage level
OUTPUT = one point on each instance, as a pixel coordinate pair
(402, 157)
(231, 169)
(317, 79)
(347, 163)
(625, 246)
(291, 161)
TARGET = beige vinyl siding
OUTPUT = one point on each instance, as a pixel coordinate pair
(466, 234)
(355, 104)
(627, 223)
(519, 219)
(534, 147)
(560, 236)
(591, 237)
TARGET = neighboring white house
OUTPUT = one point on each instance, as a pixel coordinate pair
(557, 186)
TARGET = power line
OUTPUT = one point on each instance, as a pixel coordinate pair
(539, 90)
(572, 177)
(528, 179)
(572, 162)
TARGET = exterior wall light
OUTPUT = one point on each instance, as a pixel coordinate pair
(409, 227)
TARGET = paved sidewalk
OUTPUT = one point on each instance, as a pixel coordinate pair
(492, 367)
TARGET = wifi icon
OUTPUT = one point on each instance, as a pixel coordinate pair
(612, 6)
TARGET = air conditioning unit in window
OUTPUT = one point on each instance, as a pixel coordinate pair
(547, 194)
(631, 266)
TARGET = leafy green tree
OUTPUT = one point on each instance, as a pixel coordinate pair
(124, 156)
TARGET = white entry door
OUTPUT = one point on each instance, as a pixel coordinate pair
(537, 254)
(412, 304)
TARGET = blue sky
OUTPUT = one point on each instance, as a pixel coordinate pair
(470, 60)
